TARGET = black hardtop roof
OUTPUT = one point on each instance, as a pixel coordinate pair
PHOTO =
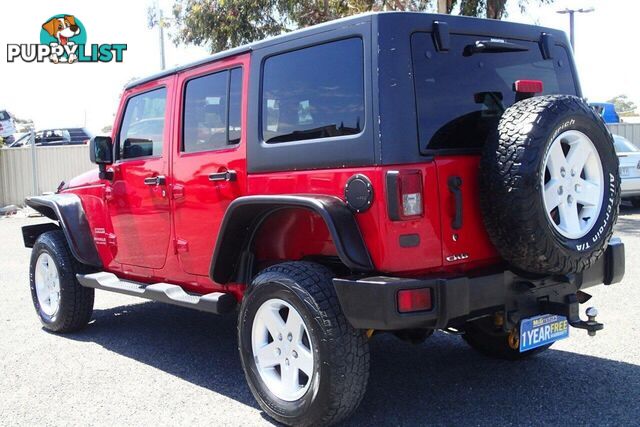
(457, 24)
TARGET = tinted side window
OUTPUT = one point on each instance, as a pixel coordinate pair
(142, 130)
(212, 111)
(316, 92)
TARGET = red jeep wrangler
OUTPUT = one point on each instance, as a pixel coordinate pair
(397, 172)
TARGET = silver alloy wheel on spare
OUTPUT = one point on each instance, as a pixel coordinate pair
(47, 281)
(282, 349)
(573, 183)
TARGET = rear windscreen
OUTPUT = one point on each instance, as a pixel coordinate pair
(461, 94)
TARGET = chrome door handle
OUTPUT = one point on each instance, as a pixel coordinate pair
(229, 175)
(155, 180)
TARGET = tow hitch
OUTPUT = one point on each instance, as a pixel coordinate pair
(571, 310)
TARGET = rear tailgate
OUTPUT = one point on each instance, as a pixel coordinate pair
(460, 96)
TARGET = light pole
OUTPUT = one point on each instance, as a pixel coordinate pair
(154, 16)
(571, 12)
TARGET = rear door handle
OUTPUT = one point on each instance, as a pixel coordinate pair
(455, 182)
(155, 180)
(229, 175)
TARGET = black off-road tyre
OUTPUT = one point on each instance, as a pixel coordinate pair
(76, 301)
(493, 342)
(341, 352)
(511, 179)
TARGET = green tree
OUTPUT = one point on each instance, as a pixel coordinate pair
(624, 106)
(223, 24)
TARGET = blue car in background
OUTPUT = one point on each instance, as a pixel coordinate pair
(607, 111)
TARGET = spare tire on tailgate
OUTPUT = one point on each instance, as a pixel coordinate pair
(550, 188)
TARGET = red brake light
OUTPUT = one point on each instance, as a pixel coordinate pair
(528, 86)
(410, 300)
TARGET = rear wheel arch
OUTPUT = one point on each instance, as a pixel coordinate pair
(290, 234)
(67, 210)
(246, 216)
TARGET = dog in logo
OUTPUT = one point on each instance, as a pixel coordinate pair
(62, 29)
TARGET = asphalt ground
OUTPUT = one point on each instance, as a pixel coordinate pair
(145, 363)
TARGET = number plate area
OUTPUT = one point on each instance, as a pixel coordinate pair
(542, 330)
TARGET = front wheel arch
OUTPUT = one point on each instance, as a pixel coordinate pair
(68, 211)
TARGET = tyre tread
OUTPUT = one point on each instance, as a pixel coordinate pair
(509, 179)
(350, 352)
(78, 308)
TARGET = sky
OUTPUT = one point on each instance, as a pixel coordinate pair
(87, 94)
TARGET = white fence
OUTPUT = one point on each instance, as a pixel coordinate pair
(631, 131)
(54, 164)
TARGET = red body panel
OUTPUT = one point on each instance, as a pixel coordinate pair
(140, 213)
(293, 236)
(199, 204)
(168, 233)
(468, 247)
(381, 235)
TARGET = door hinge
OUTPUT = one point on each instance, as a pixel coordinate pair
(108, 193)
(181, 246)
(178, 191)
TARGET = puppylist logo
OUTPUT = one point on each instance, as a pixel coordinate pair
(63, 40)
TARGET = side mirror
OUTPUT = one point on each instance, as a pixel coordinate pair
(101, 153)
(101, 150)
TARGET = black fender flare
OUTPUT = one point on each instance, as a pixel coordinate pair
(68, 211)
(246, 213)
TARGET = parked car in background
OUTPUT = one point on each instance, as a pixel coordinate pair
(63, 136)
(19, 140)
(629, 156)
(7, 127)
(607, 111)
(49, 137)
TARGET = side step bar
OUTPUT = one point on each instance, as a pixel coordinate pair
(216, 302)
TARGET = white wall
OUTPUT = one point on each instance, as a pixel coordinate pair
(54, 164)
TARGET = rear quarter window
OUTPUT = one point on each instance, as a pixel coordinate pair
(314, 93)
(460, 97)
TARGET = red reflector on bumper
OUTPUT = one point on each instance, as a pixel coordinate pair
(410, 300)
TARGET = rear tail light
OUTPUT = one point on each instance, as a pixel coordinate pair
(412, 300)
(404, 194)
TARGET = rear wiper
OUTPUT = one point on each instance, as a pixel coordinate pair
(493, 46)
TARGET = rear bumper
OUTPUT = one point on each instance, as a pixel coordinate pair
(371, 302)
